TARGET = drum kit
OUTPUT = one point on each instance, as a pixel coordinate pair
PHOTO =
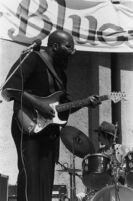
(106, 178)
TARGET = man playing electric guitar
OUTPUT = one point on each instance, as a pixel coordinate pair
(39, 74)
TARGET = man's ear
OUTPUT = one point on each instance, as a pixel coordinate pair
(55, 46)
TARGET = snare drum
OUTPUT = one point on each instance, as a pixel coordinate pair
(109, 193)
(128, 163)
(96, 171)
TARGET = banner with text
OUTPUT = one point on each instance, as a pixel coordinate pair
(96, 25)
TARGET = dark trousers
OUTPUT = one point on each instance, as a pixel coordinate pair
(36, 162)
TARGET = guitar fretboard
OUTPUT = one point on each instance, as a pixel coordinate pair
(77, 104)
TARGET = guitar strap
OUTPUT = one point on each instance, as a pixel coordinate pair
(45, 58)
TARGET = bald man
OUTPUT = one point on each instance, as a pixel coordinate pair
(41, 74)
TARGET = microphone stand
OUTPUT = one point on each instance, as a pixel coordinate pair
(72, 174)
(115, 168)
(25, 57)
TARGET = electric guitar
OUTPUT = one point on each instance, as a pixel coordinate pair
(33, 122)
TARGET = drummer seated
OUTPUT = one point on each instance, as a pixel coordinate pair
(106, 138)
(106, 134)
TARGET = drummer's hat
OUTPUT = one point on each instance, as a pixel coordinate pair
(106, 128)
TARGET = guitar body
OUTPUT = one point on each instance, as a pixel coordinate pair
(32, 122)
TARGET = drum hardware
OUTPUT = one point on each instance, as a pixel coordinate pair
(72, 172)
(73, 183)
(69, 170)
(121, 151)
(115, 166)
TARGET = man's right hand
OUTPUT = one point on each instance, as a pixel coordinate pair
(39, 104)
(46, 111)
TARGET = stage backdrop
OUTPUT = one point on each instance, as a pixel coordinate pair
(97, 25)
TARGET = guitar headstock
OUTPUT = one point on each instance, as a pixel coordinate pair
(118, 96)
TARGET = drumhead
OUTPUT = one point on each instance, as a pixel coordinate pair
(109, 194)
(95, 154)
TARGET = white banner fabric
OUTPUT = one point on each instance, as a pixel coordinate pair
(96, 25)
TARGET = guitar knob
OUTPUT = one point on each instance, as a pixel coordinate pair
(39, 125)
(30, 128)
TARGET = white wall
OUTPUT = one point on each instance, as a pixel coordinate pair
(8, 165)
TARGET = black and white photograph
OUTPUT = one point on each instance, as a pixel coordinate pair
(66, 100)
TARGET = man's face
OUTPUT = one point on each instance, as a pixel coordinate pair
(62, 44)
(62, 53)
(65, 49)
(105, 139)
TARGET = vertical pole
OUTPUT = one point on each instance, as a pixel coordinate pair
(115, 85)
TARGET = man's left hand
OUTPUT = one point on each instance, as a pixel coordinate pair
(94, 101)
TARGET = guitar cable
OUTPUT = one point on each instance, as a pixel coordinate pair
(21, 106)
(22, 133)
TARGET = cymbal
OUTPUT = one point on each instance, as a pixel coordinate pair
(76, 141)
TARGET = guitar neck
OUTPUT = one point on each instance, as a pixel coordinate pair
(77, 104)
(104, 97)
